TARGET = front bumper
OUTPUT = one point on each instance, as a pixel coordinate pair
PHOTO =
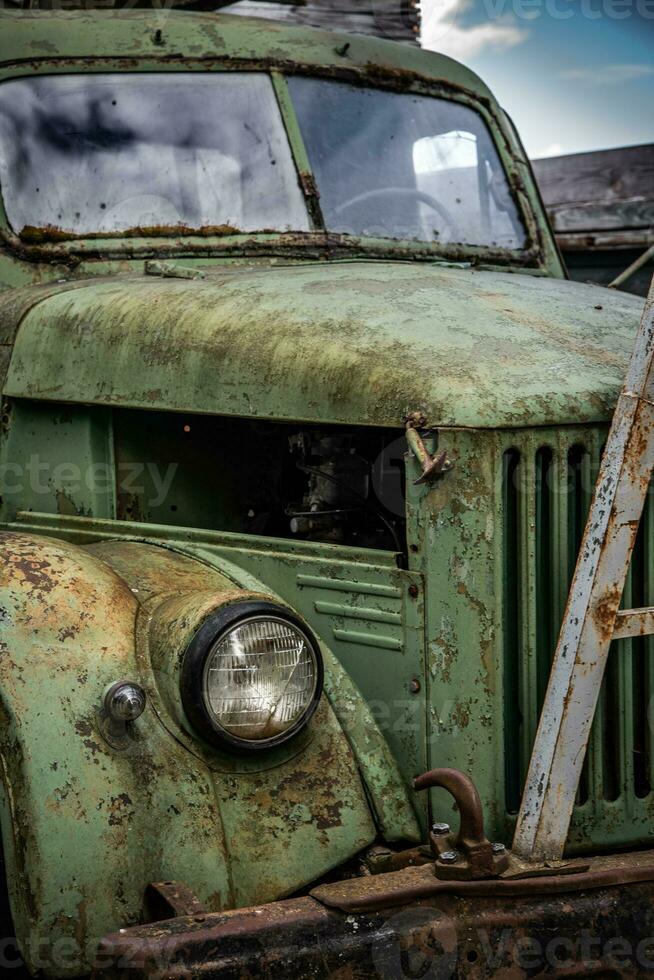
(598, 922)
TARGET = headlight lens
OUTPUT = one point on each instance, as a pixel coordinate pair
(253, 677)
(260, 678)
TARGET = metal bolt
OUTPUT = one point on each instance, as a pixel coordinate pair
(440, 829)
(498, 848)
(125, 701)
(449, 857)
(414, 686)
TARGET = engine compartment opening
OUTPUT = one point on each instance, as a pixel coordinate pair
(330, 484)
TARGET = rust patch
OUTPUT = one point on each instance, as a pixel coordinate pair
(36, 572)
(49, 234)
(605, 612)
(83, 728)
(312, 196)
(31, 235)
(121, 810)
(67, 633)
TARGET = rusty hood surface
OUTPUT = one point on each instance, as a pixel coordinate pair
(352, 342)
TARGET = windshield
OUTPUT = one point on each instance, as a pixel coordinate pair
(391, 165)
(111, 153)
(208, 152)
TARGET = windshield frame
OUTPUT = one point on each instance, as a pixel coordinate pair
(51, 246)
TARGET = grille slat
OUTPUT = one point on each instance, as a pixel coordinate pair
(594, 769)
(561, 522)
(598, 773)
(511, 630)
(547, 556)
(529, 542)
(622, 655)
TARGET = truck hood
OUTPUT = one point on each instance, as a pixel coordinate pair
(355, 343)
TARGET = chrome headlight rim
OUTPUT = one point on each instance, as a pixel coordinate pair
(195, 662)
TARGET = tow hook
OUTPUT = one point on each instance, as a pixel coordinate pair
(468, 856)
(432, 466)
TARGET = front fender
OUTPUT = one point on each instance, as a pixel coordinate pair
(86, 826)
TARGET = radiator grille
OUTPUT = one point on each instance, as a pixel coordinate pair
(548, 483)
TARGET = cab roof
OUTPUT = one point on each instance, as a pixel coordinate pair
(175, 35)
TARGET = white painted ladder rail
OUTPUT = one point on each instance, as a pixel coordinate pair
(592, 619)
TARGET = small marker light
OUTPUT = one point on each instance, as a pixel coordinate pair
(125, 701)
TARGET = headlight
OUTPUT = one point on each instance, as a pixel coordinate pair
(252, 676)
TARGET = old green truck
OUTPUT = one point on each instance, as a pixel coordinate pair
(301, 420)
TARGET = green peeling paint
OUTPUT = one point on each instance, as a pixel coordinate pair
(442, 662)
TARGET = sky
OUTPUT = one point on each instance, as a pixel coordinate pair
(575, 75)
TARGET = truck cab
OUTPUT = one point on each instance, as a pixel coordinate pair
(240, 611)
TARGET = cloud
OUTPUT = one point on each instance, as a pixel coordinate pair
(608, 74)
(441, 33)
(553, 150)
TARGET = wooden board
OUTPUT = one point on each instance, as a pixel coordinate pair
(612, 190)
(601, 206)
(397, 20)
(605, 176)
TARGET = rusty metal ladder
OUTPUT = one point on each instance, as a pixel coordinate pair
(593, 618)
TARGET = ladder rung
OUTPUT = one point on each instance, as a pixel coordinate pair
(634, 622)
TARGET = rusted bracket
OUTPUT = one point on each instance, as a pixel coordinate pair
(432, 466)
(469, 856)
(170, 899)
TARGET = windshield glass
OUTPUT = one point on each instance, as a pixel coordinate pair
(403, 166)
(112, 153)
